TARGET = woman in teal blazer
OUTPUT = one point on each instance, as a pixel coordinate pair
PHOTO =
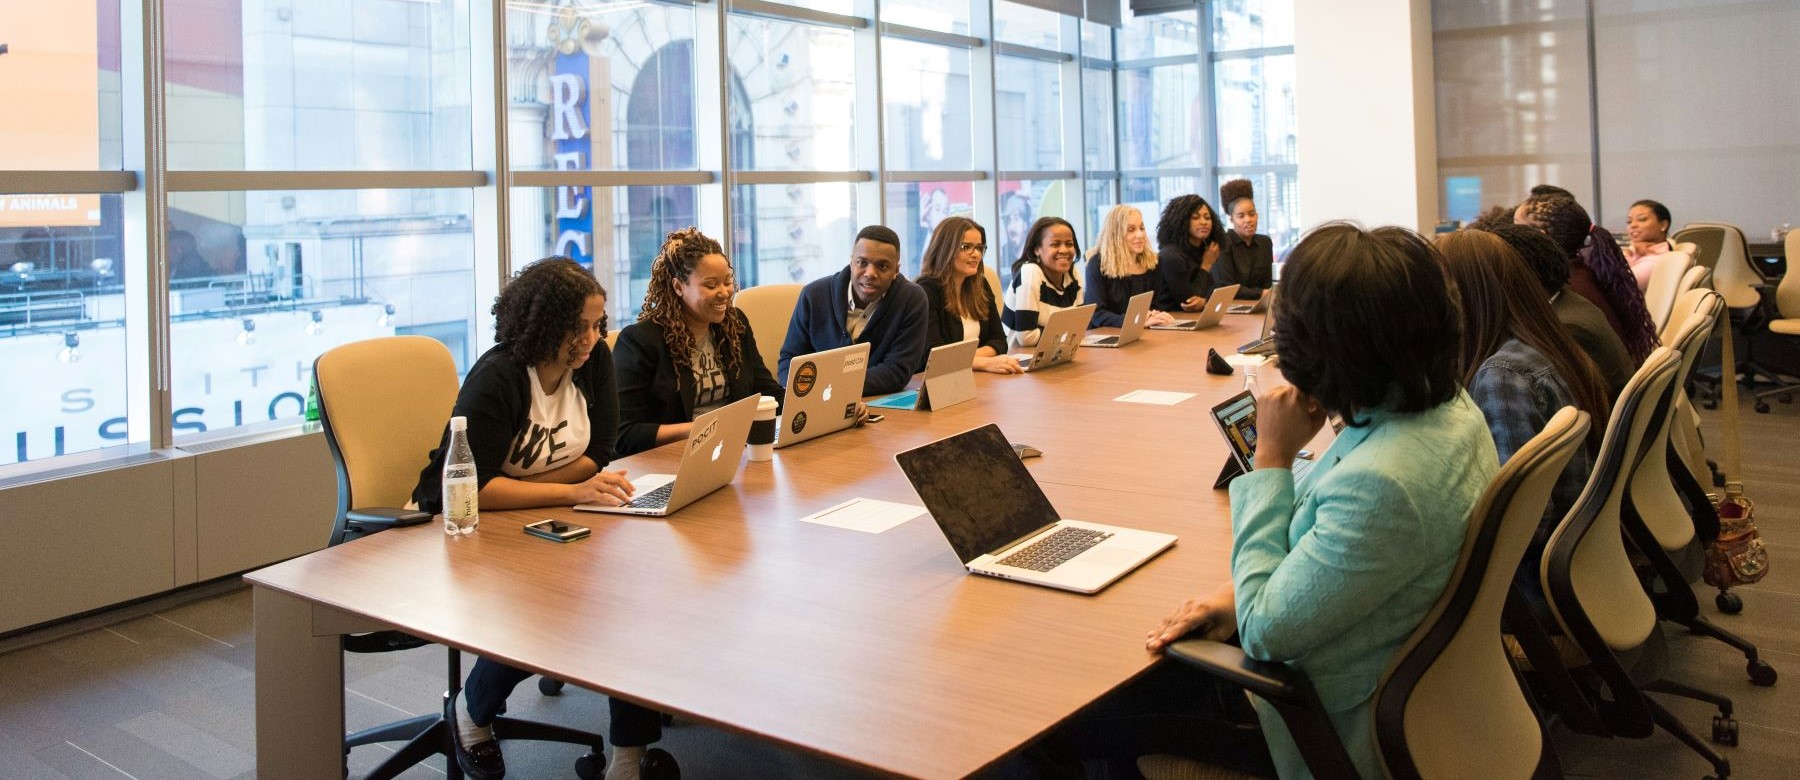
(1332, 572)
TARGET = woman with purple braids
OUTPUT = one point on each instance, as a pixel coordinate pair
(1598, 271)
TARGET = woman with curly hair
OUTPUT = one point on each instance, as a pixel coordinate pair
(1248, 257)
(543, 415)
(1122, 265)
(958, 303)
(1189, 238)
(690, 351)
(1598, 271)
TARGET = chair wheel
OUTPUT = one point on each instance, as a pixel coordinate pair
(1761, 673)
(1725, 730)
(1728, 602)
(1762, 407)
(1709, 404)
(550, 686)
(659, 765)
(590, 766)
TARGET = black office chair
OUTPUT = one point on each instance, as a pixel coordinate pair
(1449, 706)
(1596, 599)
(380, 439)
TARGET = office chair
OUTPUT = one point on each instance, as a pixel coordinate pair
(1666, 276)
(1594, 595)
(1737, 278)
(1449, 704)
(1670, 535)
(1787, 325)
(769, 308)
(383, 403)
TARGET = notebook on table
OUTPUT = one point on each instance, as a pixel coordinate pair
(1000, 523)
(1060, 338)
(949, 380)
(709, 461)
(822, 392)
(1210, 314)
(1136, 311)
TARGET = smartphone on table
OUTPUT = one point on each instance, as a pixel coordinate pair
(556, 530)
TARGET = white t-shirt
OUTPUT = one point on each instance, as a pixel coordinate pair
(555, 432)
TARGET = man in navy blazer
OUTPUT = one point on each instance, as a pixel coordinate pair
(870, 302)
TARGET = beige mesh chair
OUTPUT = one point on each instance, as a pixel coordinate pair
(1787, 324)
(1665, 283)
(1684, 436)
(1594, 593)
(1449, 706)
(993, 281)
(384, 404)
(769, 308)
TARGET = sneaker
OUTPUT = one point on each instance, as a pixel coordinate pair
(482, 760)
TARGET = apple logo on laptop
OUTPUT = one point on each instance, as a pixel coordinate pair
(827, 392)
(717, 449)
(1138, 320)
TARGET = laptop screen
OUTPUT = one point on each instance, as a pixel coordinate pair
(1236, 417)
(978, 491)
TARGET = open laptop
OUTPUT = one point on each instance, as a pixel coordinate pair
(949, 380)
(1136, 311)
(1264, 344)
(715, 445)
(1001, 524)
(822, 391)
(1261, 304)
(1236, 418)
(1060, 338)
(1210, 314)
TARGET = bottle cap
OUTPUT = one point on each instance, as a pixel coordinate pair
(459, 423)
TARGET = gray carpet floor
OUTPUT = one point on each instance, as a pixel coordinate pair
(165, 689)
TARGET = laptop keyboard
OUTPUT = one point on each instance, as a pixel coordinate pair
(1053, 550)
(655, 499)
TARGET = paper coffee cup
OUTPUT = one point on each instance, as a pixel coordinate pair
(762, 432)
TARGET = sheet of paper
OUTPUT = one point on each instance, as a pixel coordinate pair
(1246, 360)
(865, 514)
(1156, 397)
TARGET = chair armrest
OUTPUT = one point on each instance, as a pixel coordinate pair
(1272, 681)
(374, 518)
(1282, 686)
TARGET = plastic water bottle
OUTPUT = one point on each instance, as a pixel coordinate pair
(461, 511)
(1251, 382)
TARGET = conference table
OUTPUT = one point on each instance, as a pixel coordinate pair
(877, 650)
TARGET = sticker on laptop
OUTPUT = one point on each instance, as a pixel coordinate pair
(804, 379)
(850, 411)
(855, 363)
(799, 421)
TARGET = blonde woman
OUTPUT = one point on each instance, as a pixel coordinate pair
(1123, 265)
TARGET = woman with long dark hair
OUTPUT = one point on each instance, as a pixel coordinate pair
(1598, 271)
(958, 303)
(1189, 238)
(691, 350)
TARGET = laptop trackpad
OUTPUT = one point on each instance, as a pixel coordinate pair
(1111, 556)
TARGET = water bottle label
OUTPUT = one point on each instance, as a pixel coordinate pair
(460, 509)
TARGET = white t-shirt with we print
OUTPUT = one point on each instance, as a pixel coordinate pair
(555, 432)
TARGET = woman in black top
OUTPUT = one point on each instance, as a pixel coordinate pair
(1188, 241)
(690, 351)
(1120, 266)
(1248, 258)
(542, 415)
(959, 305)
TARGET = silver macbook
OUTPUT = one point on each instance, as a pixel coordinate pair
(1210, 314)
(949, 380)
(1061, 337)
(1261, 304)
(1000, 524)
(1136, 311)
(709, 461)
(822, 392)
(1264, 344)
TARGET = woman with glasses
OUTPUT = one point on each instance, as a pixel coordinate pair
(958, 303)
(1123, 265)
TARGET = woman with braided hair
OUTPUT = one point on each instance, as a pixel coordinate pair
(690, 352)
(1598, 271)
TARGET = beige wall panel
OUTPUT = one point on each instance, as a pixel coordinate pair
(262, 503)
(85, 542)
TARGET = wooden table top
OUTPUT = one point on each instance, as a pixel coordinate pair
(876, 649)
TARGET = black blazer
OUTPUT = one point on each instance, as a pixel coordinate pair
(1251, 266)
(650, 393)
(942, 327)
(1182, 275)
